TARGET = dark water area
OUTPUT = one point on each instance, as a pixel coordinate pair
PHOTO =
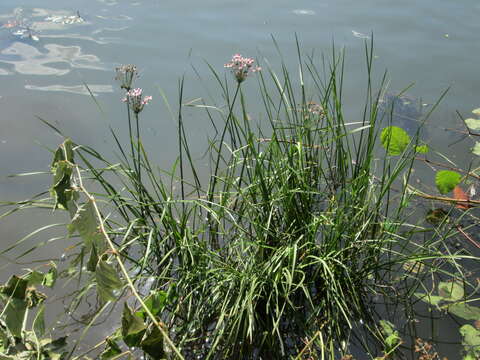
(49, 50)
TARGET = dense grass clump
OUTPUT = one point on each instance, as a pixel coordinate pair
(280, 250)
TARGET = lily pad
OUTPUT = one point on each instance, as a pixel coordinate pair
(395, 140)
(446, 180)
(451, 291)
(473, 124)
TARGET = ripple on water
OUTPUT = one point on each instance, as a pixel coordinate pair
(28, 60)
(304, 12)
(74, 89)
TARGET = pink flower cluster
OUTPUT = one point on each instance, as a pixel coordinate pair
(241, 67)
(135, 100)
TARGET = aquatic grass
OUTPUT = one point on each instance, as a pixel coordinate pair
(280, 247)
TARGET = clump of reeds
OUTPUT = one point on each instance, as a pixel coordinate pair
(279, 251)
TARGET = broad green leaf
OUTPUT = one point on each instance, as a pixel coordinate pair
(450, 290)
(446, 180)
(476, 111)
(111, 349)
(107, 280)
(465, 311)
(473, 124)
(15, 287)
(395, 140)
(61, 189)
(51, 276)
(133, 327)
(64, 152)
(387, 327)
(392, 339)
(34, 277)
(471, 340)
(422, 149)
(93, 260)
(155, 302)
(152, 342)
(429, 299)
(39, 322)
(15, 312)
(476, 148)
(86, 224)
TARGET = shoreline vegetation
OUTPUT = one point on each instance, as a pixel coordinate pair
(305, 240)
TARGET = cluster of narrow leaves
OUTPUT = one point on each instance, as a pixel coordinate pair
(451, 297)
(21, 301)
(135, 330)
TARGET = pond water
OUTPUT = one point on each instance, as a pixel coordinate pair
(64, 45)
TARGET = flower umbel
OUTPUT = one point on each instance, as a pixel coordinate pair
(135, 100)
(241, 67)
(126, 74)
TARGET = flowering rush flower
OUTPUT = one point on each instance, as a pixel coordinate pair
(241, 67)
(135, 100)
(126, 74)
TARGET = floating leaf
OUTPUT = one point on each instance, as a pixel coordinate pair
(473, 124)
(476, 148)
(422, 149)
(451, 290)
(476, 111)
(436, 216)
(395, 140)
(429, 299)
(392, 338)
(133, 327)
(471, 340)
(446, 180)
(464, 311)
(107, 280)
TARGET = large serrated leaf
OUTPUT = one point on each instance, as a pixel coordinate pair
(86, 224)
(133, 327)
(155, 302)
(107, 280)
(395, 140)
(61, 189)
(15, 287)
(446, 180)
(39, 322)
(14, 313)
(152, 343)
(111, 349)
